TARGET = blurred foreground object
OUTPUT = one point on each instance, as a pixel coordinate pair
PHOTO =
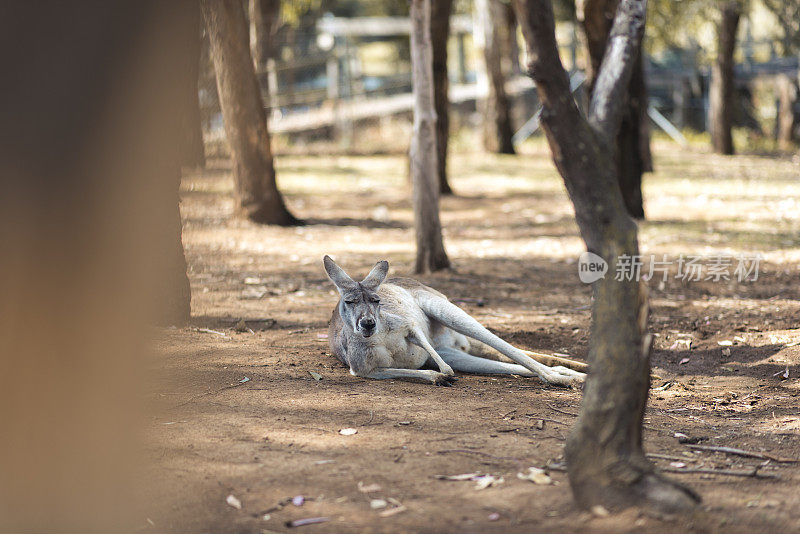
(93, 98)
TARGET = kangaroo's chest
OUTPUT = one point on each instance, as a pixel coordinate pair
(393, 349)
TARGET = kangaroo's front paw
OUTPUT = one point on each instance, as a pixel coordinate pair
(446, 370)
(441, 379)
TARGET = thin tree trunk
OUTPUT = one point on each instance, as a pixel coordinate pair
(264, 25)
(495, 108)
(423, 155)
(632, 146)
(512, 46)
(721, 91)
(786, 118)
(193, 151)
(605, 460)
(257, 195)
(440, 31)
(264, 18)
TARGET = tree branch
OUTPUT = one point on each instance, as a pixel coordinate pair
(608, 97)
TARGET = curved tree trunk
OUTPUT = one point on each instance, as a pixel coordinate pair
(495, 108)
(257, 195)
(423, 155)
(632, 146)
(721, 90)
(440, 31)
(605, 460)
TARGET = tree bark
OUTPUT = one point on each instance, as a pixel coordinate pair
(786, 118)
(256, 193)
(440, 31)
(423, 154)
(193, 152)
(632, 147)
(91, 250)
(721, 90)
(605, 460)
(495, 108)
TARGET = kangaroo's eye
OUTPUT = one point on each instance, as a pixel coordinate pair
(349, 302)
(376, 301)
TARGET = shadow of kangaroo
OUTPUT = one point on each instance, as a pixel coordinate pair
(392, 328)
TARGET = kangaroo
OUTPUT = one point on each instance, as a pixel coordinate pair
(392, 328)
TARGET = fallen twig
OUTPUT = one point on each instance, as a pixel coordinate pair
(727, 472)
(746, 454)
(207, 393)
(669, 457)
(481, 453)
(308, 521)
(561, 411)
(209, 331)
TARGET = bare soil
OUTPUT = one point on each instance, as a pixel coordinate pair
(239, 412)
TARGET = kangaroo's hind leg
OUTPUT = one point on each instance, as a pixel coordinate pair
(450, 315)
(467, 363)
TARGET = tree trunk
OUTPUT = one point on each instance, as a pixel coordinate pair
(256, 193)
(264, 22)
(193, 151)
(91, 250)
(721, 90)
(605, 460)
(495, 108)
(632, 147)
(423, 155)
(440, 31)
(264, 26)
(786, 118)
(511, 49)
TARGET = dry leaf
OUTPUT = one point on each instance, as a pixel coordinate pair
(316, 376)
(233, 501)
(348, 431)
(536, 475)
(368, 488)
(725, 343)
(683, 361)
(726, 352)
(486, 481)
(599, 511)
(377, 504)
(392, 511)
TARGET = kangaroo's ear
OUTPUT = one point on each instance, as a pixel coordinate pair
(376, 275)
(337, 275)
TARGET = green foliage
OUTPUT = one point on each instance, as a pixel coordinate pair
(293, 11)
(787, 13)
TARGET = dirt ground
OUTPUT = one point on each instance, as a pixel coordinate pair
(240, 414)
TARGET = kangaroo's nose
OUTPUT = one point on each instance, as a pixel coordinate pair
(367, 324)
